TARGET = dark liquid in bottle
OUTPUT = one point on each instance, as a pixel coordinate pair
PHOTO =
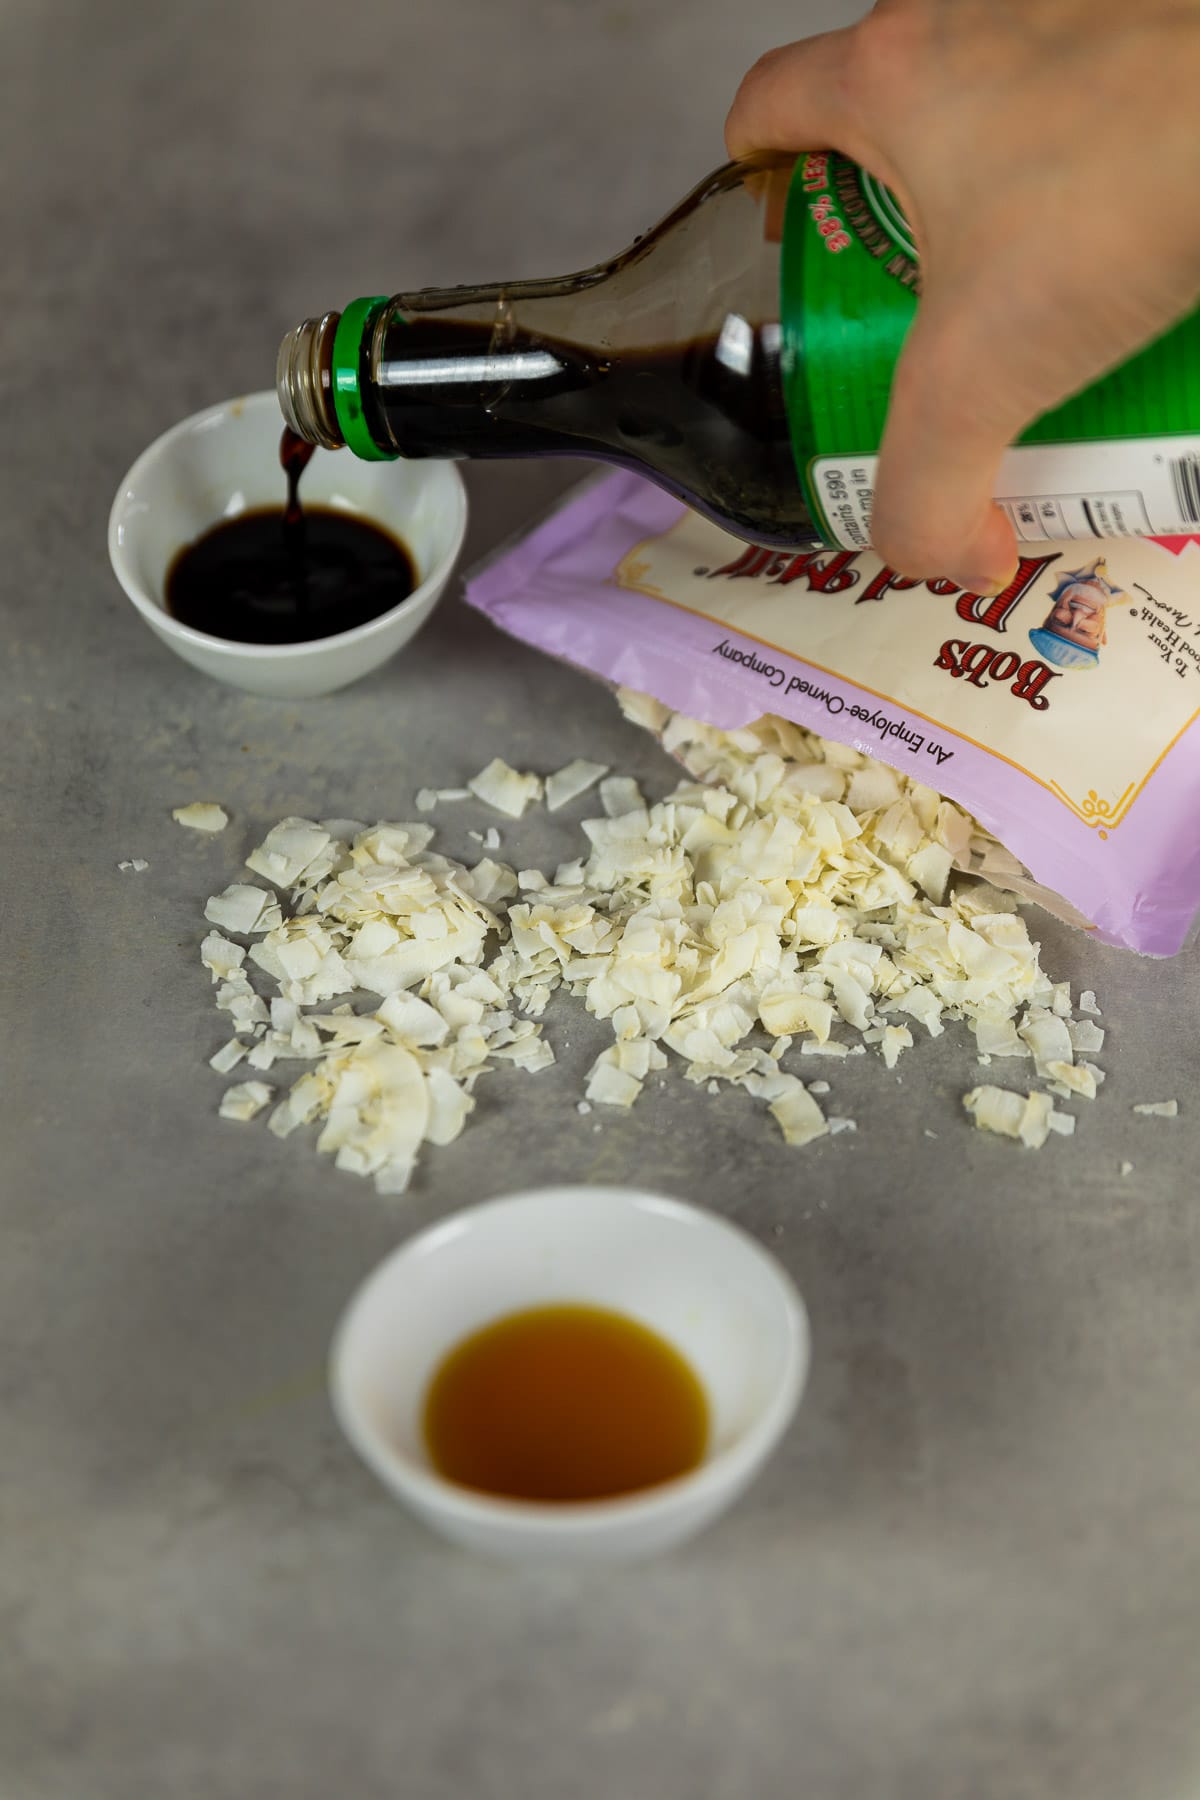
(286, 575)
(704, 418)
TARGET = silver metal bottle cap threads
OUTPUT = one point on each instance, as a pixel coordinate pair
(304, 385)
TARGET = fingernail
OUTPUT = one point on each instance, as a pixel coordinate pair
(988, 586)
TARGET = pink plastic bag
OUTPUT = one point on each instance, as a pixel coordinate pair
(1062, 714)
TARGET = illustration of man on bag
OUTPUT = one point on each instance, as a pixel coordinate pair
(1074, 633)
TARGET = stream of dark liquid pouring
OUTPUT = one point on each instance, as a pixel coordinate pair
(295, 454)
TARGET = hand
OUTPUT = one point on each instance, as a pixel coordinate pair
(1048, 156)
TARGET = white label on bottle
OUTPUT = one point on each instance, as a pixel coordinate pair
(1124, 487)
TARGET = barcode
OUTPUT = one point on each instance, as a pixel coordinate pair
(1185, 473)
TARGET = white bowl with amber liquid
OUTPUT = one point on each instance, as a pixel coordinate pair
(225, 461)
(703, 1285)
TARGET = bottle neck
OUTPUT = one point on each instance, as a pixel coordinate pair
(666, 359)
(483, 371)
(532, 358)
(304, 382)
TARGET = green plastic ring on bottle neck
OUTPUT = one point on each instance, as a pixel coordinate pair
(353, 332)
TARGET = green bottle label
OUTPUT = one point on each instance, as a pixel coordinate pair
(1120, 459)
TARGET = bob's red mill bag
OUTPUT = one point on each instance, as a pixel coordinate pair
(1062, 713)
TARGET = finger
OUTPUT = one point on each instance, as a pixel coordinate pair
(950, 419)
(797, 98)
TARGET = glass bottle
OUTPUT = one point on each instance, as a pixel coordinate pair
(740, 354)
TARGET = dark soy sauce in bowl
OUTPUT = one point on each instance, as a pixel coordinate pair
(288, 575)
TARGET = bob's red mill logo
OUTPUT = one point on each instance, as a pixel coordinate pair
(964, 659)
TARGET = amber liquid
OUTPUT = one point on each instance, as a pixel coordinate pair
(288, 575)
(565, 1403)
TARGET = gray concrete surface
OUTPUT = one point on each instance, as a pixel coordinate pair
(973, 1570)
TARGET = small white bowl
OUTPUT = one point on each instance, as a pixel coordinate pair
(222, 461)
(703, 1284)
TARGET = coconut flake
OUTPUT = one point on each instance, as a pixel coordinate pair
(1009, 1114)
(1048, 1040)
(505, 789)
(1085, 1036)
(620, 796)
(201, 815)
(895, 1039)
(797, 1114)
(609, 1085)
(998, 1036)
(1071, 1080)
(244, 1101)
(288, 850)
(244, 909)
(222, 958)
(566, 784)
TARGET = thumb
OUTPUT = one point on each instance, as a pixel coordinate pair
(950, 419)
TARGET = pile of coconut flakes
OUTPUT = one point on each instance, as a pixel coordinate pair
(792, 899)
